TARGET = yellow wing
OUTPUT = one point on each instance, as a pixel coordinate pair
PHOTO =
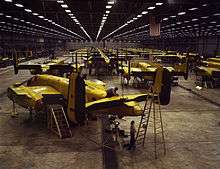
(118, 105)
(30, 96)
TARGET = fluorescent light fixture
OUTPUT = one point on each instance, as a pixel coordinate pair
(213, 22)
(216, 14)
(45, 19)
(178, 23)
(28, 10)
(108, 6)
(107, 11)
(19, 5)
(135, 18)
(16, 19)
(159, 3)
(68, 11)
(204, 17)
(8, 16)
(144, 13)
(111, 2)
(35, 14)
(27, 22)
(165, 19)
(8, 0)
(139, 16)
(70, 14)
(186, 21)
(40, 17)
(204, 5)
(50, 20)
(151, 7)
(173, 16)
(104, 17)
(60, 1)
(195, 19)
(22, 20)
(181, 13)
(64, 5)
(73, 17)
(192, 9)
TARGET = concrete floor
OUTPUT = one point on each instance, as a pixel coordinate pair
(192, 133)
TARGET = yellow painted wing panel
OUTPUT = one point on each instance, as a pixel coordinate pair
(29, 96)
(131, 108)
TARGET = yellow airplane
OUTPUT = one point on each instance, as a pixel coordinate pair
(144, 70)
(209, 68)
(80, 97)
(54, 67)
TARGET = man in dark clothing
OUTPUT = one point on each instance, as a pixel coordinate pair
(112, 91)
(132, 136)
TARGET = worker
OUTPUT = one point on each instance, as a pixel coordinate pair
(112, 91)
(132, 136)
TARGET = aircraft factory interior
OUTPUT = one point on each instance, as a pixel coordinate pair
(109, 84)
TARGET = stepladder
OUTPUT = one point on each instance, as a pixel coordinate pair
(57, 121)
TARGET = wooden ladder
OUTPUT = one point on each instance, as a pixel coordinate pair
(152, 115)
(57, 121)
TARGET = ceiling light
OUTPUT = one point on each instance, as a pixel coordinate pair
(19, 5)
(8, 16)
(165, 19)
(59, 1)
(204, 5)
(178, 23)
(139, 16)
(16, 19)
(186, 21)
(195, 19)
(111, 2)
(1, 14)
(73, 17)
(45, 19)
(144, 12)
(173, 16)
(135, 18)
(104, 17)
(108, 6)
(192, 9)
(64, 5)
(181, 13)
(70, 14)
(68, 11)
(28, 10)
(159, 3)
(40, 17)
(107, 11)
(216, 14)
(204, 17)
(35, 14)
(213, 22)
(151, 7)
(22, 20)
(8, 0)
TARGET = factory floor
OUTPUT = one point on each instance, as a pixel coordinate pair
(191, 124)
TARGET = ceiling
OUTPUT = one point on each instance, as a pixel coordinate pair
(109, 19)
